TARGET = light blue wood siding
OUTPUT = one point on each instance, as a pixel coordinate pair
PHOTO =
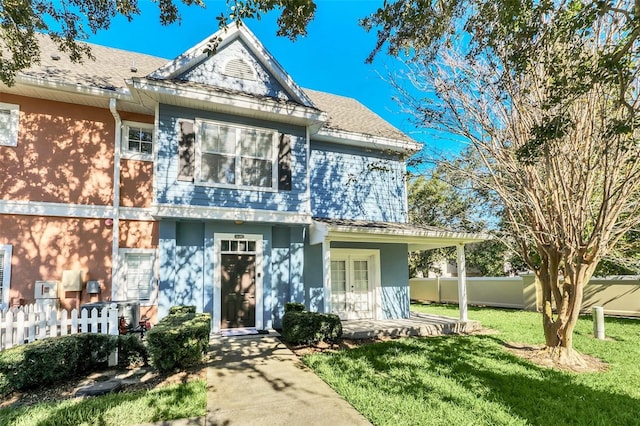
(172, 191)
(211, 72)
(187, 275)
(353, 183)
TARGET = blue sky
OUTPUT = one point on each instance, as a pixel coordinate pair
(331, 58)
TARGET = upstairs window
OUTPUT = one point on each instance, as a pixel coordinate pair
(137, 141)
(233, 156)
(9, 116)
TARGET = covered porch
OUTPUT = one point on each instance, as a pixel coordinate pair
(418, 324)
(326, 232)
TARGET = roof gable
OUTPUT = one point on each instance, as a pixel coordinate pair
(240, 63)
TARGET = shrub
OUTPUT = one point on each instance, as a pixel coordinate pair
(179, 340)
(310, 327)
(131, 351)
(182, 309)
(50, 360)
(293, 307)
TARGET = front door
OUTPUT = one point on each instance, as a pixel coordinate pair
(238, 288)
(352, 285)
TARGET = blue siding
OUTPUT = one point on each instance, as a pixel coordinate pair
(314, 286)
(186, 265)
(353, 183)
(211, 72)
(172, 191)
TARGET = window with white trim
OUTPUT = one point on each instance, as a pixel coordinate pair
(235, 156)
(5, 274)
(137, 140)
(138, 275)
(9, 116)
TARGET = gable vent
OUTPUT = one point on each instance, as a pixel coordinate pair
(238, 68)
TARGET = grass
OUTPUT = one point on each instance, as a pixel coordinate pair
(460, 380)
(127, 408)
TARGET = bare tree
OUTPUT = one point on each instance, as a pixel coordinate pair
(549, 101)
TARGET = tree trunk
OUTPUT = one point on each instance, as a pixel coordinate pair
(561, 303)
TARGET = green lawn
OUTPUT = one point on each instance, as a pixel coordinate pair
(122, 409)
(472, 380)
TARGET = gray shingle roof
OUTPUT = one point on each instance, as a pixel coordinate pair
(347, 114)
(112, 67)
(109, 70)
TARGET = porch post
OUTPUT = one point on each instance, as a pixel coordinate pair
(462, 283)
(326, 274)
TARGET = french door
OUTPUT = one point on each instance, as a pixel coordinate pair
(353, 275)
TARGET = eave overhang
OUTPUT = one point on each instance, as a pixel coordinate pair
(416, 238)
(167, 92)
(361, 140)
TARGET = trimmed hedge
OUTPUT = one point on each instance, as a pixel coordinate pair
(182, 309)
(294, 307)
(310, 327)
(131, 351)
(179, 340)
(46, 361)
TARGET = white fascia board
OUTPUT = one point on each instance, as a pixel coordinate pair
(230, 214)
(47, 209)
(366, 141)
(416, 239)
(306, 115)
(34, 208)
(120, 94)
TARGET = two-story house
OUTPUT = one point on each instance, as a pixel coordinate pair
(210, 180)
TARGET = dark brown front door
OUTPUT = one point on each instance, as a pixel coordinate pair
(238, 290)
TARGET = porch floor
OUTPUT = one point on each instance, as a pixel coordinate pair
(418, 324)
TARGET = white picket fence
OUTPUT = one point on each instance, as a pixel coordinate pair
(34, 322)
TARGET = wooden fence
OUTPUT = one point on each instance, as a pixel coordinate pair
(34, 322)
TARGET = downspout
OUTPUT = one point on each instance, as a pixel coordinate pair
(115, 259)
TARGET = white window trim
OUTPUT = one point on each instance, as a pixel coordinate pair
(13, 125)
(6, 282)
(134, 155)
(217, 284)
(119, 290)
(238, 155)
(373, 256)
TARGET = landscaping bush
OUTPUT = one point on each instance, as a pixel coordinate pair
(293, 307)
(131, 351)
(182, 309)
(179, 340)
(50, 360)
(310, 327)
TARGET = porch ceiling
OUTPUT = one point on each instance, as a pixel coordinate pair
(416, 237)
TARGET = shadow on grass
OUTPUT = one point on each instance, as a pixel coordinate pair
(479, 373)
(164, 404)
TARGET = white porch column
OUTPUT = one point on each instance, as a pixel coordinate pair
(462, 283)
(326, 274)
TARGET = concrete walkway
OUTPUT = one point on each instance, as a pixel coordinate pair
(256, 380)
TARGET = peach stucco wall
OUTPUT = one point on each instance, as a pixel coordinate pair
(136, 183)
(138, 234)
(64, 154)
(45, 246)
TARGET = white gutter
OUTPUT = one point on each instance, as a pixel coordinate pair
(116, 198)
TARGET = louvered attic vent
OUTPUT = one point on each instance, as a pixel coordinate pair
(238, 68)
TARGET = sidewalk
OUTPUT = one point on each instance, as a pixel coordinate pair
(256, 380)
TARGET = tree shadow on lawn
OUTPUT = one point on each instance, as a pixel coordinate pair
(481, 368)
(164, 405)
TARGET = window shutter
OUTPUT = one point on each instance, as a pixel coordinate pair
(186, 150)
(284, 163)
